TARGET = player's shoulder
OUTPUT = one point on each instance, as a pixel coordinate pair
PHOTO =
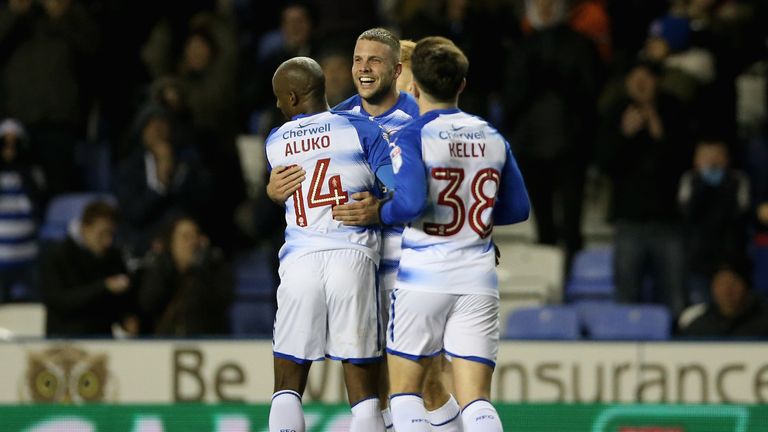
(411, 132)
(466, 120)
(350, 103)
(407, 103)
(363, 125)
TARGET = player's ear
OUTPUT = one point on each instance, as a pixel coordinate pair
(463, 84)
(293, 98)
(398, 70)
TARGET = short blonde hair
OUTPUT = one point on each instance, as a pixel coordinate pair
(406, 51)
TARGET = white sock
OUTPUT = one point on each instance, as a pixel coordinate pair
(387, 416)
(286, 414)
(447, 418)
(366, 416)
(480, 416)
(408, 413)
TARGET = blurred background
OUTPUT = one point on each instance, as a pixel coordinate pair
(132, 170)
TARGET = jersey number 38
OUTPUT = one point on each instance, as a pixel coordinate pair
(480, 201)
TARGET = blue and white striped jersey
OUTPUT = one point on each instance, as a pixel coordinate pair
(18, 241)
(404, 110)
(455, 177)
(341, 153)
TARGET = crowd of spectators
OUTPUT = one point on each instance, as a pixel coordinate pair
(665, 98)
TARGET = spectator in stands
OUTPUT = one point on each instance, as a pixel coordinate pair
(294, 37)
(85, 285)
(727, 31)
(21, 185)
(45, 47)
(336, 65)
(480, 30)
(170, 93)
(551, 83)
(157, 181)
(685, 69)
(206, 66)
(734, 311)
(186, 288)
(643, 148)
(714, 201)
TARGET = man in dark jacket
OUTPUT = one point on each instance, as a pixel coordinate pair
(552, 80)
(644, 149)
(714, 202)
(84, 282)
(160, 179)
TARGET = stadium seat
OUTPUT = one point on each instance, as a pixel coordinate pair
(591, 275)
(63, 209)
(589, 309)
(527, 270)
(252, 318)
(22, 320)
(593, 265)
(629, 322)
(254, 278)
(584, 289)
(546, 322)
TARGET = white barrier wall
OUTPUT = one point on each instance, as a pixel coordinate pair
(213, 371)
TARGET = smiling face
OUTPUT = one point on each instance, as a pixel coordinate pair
(375, 69)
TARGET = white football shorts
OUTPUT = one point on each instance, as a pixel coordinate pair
(427, 324)
(328, 306)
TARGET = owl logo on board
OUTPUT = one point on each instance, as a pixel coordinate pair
(67, 374)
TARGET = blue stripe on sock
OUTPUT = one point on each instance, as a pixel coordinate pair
(363, 400)
(418, 395)
(476, 400)
(448, 421)
(283, 392)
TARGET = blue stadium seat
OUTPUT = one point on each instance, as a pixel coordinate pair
(585, 289)
(587, 310)
(593, 265)
(591, 275)
(254, 278)
(63, 208)
(544, 322)
(629, 322)
(252, 318)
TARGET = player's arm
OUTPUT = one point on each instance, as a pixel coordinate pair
(364, 210)
(512, 204)
(284, 181)
(410, 198)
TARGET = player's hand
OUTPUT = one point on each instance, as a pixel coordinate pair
(632, 121)
(117, 284)
(363, 212)
(762, 213)
(284, 181)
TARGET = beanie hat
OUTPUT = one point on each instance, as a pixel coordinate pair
(12, 126)
(676, 31)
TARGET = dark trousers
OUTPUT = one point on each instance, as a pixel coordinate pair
(556, 189)
(655, 251)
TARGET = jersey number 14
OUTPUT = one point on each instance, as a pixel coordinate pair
(335, 195)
